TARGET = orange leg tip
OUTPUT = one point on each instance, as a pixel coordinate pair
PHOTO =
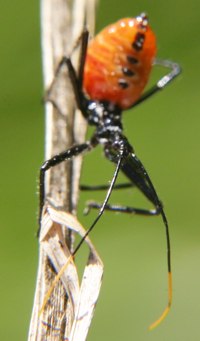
(167, 309)
(160, 319)
(55, 281)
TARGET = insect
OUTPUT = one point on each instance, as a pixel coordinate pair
(114, 71)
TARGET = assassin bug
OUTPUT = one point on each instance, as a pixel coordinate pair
(114, 69)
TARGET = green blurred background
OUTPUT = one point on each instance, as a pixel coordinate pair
(164, 132)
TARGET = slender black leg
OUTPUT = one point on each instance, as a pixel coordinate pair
(105, 187)
(135, 172)
(55, 160)
(84, 45)
(165, 80)
(159, 206)
(76, 81)
(122, 209)
(102, 208)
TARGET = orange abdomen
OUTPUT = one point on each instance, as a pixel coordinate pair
(119, 61)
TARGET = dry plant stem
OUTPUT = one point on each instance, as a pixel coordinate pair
(62, 23)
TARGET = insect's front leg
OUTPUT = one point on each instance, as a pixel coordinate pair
(56, 160)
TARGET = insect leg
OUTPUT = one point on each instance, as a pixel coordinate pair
(84, 45)
(133, 168)
(105, 187)
(55, 160)
(122, 209)
(162, 82)
(144, 183)
(76, 81)
(102, 208)
(135, 171)
(134, 174)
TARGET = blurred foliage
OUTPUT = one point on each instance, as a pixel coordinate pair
(164, 132)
